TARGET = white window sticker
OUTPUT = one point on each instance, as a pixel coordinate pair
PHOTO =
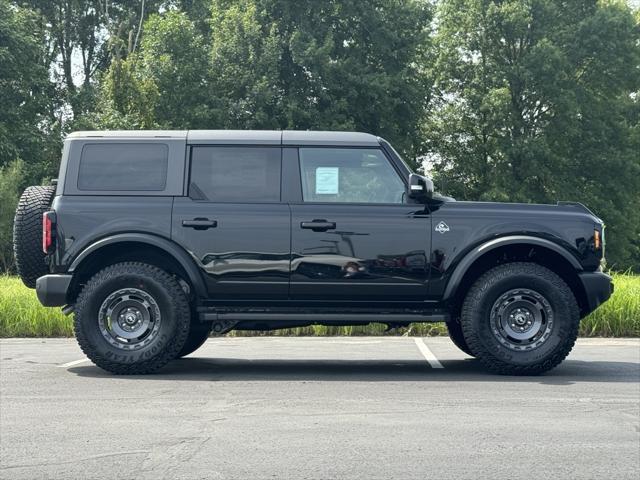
(327, 180)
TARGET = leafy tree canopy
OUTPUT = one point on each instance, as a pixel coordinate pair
(24, 85)
(534, 103)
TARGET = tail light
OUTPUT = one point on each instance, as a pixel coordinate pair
(48, 235)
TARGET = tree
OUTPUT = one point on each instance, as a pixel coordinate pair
(323, 65)
(165, 84)
(10, 178)
(25, 91)
(81, 37)
(533, 105)
(173, 57)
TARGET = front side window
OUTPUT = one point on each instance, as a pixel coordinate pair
(123, 167)
(349, 175)
(235, 174)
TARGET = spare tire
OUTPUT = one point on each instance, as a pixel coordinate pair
(27, 233)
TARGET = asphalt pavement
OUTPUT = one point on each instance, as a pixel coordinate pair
(311, 408)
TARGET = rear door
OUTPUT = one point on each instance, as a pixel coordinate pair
(233, 221)
(355, 237)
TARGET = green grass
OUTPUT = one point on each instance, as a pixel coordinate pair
(620, 315)
(21, 315)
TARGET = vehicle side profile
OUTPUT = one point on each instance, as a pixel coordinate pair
(155, 239)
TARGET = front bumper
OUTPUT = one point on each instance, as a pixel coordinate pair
(597, 288)
(52, 289)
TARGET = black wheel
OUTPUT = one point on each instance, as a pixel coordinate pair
(456, 336)
(520, 319)
(198, 334)
(132, 318)
(27, 233)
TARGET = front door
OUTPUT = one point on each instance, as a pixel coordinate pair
(234, 223)
(354, 235)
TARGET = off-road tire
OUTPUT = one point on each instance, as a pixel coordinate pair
(172, 331)
(476, 319)
(455, 334)
(198, 334)
(27, 233)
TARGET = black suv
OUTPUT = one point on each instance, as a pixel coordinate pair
(155, 239)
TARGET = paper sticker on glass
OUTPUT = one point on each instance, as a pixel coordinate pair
(327, 180)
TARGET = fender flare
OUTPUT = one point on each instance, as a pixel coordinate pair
(178, 253)
(468, 260)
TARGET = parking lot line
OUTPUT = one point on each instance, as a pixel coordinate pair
(75, 362)
(427, 354)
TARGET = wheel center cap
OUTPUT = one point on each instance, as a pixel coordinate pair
(520, 319)
(130, 319)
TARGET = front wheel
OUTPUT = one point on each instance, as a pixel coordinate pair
(520, 319)
(131, 318)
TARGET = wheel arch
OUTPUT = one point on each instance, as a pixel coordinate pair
(515, 248)
(147, 248)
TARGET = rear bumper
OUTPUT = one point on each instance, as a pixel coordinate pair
(52, 290)
(597, 288)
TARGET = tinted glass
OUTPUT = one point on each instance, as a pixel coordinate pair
(349, 175)
(235, 174)
(123, 166)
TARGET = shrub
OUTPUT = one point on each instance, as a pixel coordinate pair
(10, 179)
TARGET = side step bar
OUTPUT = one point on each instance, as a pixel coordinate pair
(336, 318)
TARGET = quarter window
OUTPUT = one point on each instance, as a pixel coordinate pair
(349, 175)
(123, 167)
(235, 174)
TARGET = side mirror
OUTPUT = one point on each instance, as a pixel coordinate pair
(420, 188)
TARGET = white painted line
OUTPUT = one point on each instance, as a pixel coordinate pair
(75, 362)
(427, 354)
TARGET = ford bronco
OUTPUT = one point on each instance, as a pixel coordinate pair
(156, 239)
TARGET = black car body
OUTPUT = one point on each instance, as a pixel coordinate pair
(271, 229)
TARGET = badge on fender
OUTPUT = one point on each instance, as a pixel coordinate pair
(442, 228)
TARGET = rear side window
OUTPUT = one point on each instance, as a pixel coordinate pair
(235, 174)
(123, 167)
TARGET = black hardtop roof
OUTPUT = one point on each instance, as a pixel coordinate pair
(238, 137)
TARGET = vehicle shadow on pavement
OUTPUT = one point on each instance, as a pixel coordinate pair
(463, 370)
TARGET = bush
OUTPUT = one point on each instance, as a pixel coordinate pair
(10, 179)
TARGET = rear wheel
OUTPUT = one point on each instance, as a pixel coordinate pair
(132, 318)
(520, 319)
(27, 233)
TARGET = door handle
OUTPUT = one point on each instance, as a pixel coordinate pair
(200, 223)
(318, 225)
